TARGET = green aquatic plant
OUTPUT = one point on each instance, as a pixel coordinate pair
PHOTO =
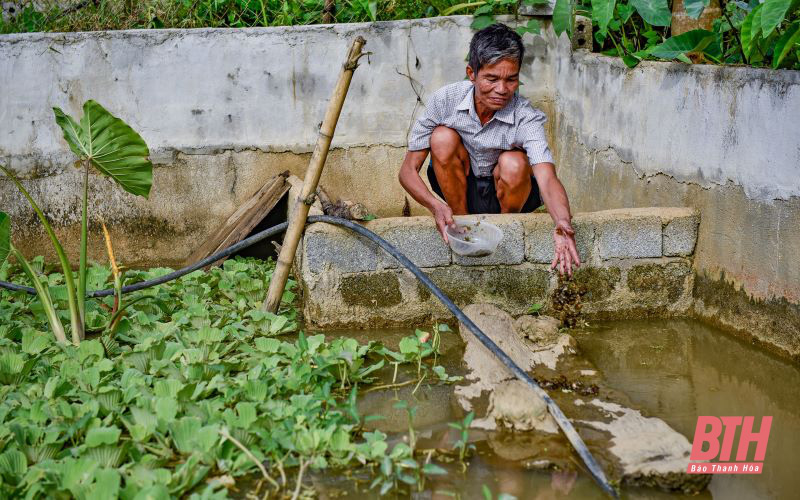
(190, 395)
(462, 444)
(114, 149)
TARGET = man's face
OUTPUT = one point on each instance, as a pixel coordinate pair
(496, 83)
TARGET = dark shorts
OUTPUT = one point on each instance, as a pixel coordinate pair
(481, 195)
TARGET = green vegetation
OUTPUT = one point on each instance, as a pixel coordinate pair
(191, 392)
(105, 142)
(758, 33)
(127, 14)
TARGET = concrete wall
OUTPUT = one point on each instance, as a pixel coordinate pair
(222, 111)
(724, 140)
(636, 263)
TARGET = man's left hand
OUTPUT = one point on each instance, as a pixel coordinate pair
(566, 252)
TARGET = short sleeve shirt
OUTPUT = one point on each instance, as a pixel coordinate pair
(518, 125)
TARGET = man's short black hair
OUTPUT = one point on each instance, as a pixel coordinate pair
(495, 43)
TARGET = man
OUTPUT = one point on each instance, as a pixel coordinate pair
(488, 150)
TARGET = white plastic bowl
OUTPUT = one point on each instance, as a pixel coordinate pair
(473, 237)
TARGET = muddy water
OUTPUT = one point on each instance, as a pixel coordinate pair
(680, 369)
(674, 369)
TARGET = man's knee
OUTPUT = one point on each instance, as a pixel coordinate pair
(445, 143)
(513, 168)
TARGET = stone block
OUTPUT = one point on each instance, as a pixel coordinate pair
(381, 289)
(629, 233)
(680, 235)
(539, 238)
(415, 237)
(511, 249)
(326, 246)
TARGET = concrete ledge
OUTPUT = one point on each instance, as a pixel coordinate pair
(627, 271)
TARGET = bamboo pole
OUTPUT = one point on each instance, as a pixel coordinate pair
(306, 199)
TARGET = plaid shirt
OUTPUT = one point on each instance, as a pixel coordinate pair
(517, 126)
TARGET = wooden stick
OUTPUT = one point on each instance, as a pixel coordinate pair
(314, 172)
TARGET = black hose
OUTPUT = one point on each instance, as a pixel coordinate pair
(252, 240)
(566, 426)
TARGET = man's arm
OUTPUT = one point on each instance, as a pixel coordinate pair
(555, 199)
(412, 182)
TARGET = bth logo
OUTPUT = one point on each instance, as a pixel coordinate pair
(711, 443)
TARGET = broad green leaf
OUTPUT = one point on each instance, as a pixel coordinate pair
(655, 12)
(112, 146)
(784, 45)
(13, 464)
(772, 14)
(694, 8)
(631, 61)
(102, 435)
(602, 12)
(532, 26)
(751, 27)
(692, 41)
(5, 236)
(562, 17)
(480, 22)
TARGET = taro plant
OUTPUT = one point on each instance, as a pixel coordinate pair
(114, 149)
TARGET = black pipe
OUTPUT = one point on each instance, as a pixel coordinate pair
(566, 426)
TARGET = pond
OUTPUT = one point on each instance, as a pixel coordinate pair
(671, 369)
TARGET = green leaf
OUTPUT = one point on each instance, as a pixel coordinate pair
(13, 464)
(112, 146)
(692, 41)
(655, 12)
(102, 435)
(694, 8)
(772, 15)
(631, 61)
(532, 26)
(5, 236)
(785, 43)
(751, 27)
(480, 22)
(602, 12)
(562, 17)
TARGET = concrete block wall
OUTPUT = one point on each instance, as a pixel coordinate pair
(635, 262)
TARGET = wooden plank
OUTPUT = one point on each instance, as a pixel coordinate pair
(245, 218)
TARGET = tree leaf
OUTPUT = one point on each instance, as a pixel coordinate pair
(692, 41)
(562, 17)
(532, 26)
(772, 14)
(694, 8)
(655, 12)
(112, 146)
(784, 45)
(5, 236)
(751, 27)
(480, 22)
(602, 12)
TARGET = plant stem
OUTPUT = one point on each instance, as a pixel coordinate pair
(226, 435)
(303, 465)
(735, 33)
(460, 6)
(44, 297)
(84, 244)
(77, 324)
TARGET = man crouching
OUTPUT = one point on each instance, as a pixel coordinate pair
(488, 149)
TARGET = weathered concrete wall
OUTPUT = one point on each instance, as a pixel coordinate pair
(723, 140)
(637, 263)
(222, 111)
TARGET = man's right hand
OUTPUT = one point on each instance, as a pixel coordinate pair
(443, 215)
